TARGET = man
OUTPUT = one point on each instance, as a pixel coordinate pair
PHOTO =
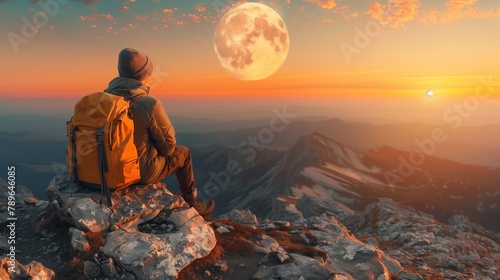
(154, 135)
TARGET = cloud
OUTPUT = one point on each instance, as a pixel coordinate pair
(459, 4)
(97, 17)
(88, 2)
(325, 4)
(395, 13)
(124, 8)
(376, 10)
(457, 10)
(200, 8)
(168, 11)
(128, 0)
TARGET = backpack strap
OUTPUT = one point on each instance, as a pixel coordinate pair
(103, 165)
(73, 175)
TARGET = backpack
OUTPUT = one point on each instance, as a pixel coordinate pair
(101, 153)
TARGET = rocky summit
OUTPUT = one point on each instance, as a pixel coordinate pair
(151, 233)
(459, 249)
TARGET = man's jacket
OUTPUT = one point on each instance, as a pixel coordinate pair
(154, 135)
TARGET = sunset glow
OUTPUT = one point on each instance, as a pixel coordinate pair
(338, 51)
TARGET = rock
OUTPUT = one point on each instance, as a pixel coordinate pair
(222, 230)
(435, 249)
(136, 205)
(193, 239)
(108, 268)
(408, 276)
(221, 265)
(372, 241)
(91, 270)
(88, 215)
(241, 265)
(79, 240)
(4, 243)
(346, 254)
(31, 201)
(301, 266)
(282, 256)
(268, 245)
(393, 266)
(33, 270)
(127, 276)
(305, 238)
(60, 187)
(245, 217)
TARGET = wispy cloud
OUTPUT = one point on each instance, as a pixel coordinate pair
(200, 8)
(124, 8)
(459, 4)
(457, 10)
(88, 2)
(97, 17)
(395, 13)
(325, 4)
(399, 13)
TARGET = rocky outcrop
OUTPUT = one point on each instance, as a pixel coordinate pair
(150, 233)
(318, 248)
(457, 250)
(33, 270)
(162, 256)
(127, 228)
(244, 217)
(347, 255)
(301, 267)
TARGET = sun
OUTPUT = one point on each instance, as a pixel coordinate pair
(430, 93)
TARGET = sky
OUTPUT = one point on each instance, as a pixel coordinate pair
(365, 54)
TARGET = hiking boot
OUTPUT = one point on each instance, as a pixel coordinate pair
(204, 209)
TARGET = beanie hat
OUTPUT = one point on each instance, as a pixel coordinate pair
(134, 64)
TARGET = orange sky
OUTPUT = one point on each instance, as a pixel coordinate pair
(444, 46)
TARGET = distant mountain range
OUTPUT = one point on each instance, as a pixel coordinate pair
(304, 169)
(474, 145)
(319, 175)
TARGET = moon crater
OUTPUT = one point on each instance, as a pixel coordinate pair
(251, 41)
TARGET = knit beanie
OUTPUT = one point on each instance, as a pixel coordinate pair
(134, 64)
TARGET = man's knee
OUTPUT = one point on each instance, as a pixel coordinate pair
(183, 150)
(180, 157)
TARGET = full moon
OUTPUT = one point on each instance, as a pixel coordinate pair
(430, 93)
(251, 41)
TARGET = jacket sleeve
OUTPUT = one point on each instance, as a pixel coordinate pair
(162, 131)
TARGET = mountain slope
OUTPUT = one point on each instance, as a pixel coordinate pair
(319, 175)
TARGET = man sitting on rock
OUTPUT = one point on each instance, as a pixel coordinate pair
(154, 135)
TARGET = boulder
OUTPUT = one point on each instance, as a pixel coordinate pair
(79, 240)
(150, 256)
(300, 267)
(244, 217)
(33, 270)
(180, 235)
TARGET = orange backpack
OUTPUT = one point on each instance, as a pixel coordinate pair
(101, 152)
